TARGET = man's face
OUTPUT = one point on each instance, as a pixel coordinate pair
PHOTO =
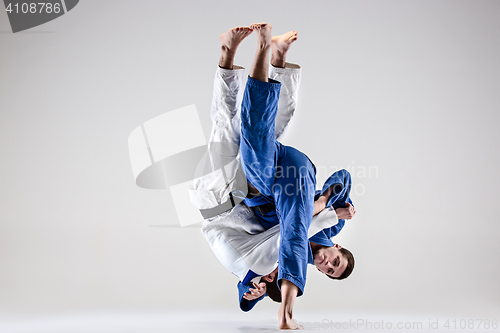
(330, 261)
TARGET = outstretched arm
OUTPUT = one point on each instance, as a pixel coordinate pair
(288, 295)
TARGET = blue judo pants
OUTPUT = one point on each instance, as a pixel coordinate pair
(279, 172)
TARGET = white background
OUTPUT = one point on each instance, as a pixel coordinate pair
(408, 90)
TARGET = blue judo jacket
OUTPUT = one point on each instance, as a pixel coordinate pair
(341, 182)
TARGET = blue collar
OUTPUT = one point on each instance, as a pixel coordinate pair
(310, 259)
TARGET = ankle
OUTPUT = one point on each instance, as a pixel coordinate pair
(263, 46)
(278, 62)
(285, 312)
(227, 52)
(226, 58)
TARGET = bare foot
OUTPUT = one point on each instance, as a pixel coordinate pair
(280, 46)
(287, 323)
(282, 43)
(264, 33)
(231, 39)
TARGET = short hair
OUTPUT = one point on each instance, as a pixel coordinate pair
(272, 290)
(350, 265)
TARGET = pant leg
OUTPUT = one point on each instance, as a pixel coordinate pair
(219, 174)
(258, 146)
(293, 192)
(226, 104)
(290, 82)
(281, 172)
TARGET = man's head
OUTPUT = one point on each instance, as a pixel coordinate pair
(272, 289)
(334, 261)
(271, 276)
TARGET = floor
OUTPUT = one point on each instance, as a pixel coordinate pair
(232, 321)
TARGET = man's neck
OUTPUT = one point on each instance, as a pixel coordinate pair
(315, 247)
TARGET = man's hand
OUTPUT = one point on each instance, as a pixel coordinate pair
(259, 291)
(346, 213)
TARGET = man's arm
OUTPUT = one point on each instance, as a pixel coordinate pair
(288, 295)
(340, 185)
(320, 203)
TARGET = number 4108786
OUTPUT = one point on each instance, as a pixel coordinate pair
(34, 8)
(471, 324)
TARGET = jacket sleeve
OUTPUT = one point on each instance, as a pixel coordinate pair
(295, 208)
(246, 305)
(341, 182)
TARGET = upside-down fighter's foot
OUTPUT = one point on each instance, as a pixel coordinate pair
(260, 65)
(230, 41)
(264, 33)
(283, 42)
(280, 46)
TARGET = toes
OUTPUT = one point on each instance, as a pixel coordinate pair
(259, 26)
(242, 30)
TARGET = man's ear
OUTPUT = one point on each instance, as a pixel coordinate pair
(337, 246)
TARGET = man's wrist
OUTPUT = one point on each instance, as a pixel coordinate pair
(323, 201)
